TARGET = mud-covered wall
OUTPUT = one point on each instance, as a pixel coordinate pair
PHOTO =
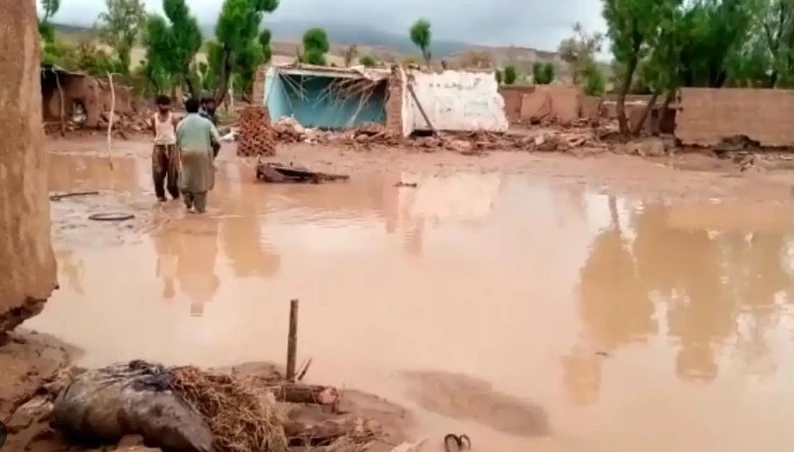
(27, 263)
(93, 94)
(512, 95)
(457, 101)
(707, 115)
(560, 104)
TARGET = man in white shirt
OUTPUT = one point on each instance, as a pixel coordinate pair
(165, 158)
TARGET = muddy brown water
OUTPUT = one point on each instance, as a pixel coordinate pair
(524, 314)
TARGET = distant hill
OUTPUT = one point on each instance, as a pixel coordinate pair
(346, 34)
(381, 44)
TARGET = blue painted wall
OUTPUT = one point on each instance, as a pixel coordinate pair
(276, 96)
(315, 107)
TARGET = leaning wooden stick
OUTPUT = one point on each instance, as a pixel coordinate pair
(292, 339)
(110, 118)
(62, 102)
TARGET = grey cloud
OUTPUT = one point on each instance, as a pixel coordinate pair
(528, 23)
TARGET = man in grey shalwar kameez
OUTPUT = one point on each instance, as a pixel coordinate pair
(196, 139)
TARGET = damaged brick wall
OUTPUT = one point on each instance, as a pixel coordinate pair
(558, 104)
(394, 102)
(512, 95)
(258, 92)
(27, 271)
(591, 108)
(706, 115)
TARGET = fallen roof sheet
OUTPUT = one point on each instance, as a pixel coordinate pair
(326, 71)
(55, 68)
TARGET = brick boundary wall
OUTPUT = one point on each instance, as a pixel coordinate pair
(707, 115)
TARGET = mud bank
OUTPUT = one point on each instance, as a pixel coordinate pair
(37, 367)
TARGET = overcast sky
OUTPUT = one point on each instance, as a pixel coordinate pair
(526, 23)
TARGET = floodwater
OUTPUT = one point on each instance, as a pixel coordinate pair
(528, 316)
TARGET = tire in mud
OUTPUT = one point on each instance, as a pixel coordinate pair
(111, 216)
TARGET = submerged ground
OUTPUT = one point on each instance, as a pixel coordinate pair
(530, 301)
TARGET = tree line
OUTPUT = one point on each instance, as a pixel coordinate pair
(661, 45)
(173, 40)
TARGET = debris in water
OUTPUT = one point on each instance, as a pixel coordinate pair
(276, 173)
(189, 409)
(111, 216)
(456, 443)
(59, 196)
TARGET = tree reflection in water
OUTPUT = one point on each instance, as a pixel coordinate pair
(719, 290)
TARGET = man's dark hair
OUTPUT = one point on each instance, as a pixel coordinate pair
(192, 105)
(163, 100)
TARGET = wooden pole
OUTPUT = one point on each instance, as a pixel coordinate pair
(421, 109)
(62, 102)
(110, 118)
(292, 339)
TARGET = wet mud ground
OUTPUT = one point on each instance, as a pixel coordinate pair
(530, 301)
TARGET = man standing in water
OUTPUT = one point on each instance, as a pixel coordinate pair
(197, 139)
(207, 110)
(165, 159)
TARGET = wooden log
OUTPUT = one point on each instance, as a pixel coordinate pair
(325, 432)
(292, 339)
(409, 447)
(303, 393)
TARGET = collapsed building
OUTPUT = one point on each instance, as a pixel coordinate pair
(75, 99)
(403, 101)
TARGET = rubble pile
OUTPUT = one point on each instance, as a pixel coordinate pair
(136, 122)
(288, 130)
(186, 409)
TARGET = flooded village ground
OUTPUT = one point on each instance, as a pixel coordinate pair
(533, 302)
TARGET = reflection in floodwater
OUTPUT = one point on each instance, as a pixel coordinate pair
(622, 319)
(191, 249)
(462, 397)
(71, 268)
(716, 290)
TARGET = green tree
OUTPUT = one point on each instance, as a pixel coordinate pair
(46, 30)
(172, 44)
(499, 75)
(237, 48)
(264, 41)
(510, 74)
(633, 26)
(771, 46)
(119, 27)
(315, 46)
(542, 73)
(594, 83)
(579, 50)
(421, 36)
(661, 45)
(368, 61)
